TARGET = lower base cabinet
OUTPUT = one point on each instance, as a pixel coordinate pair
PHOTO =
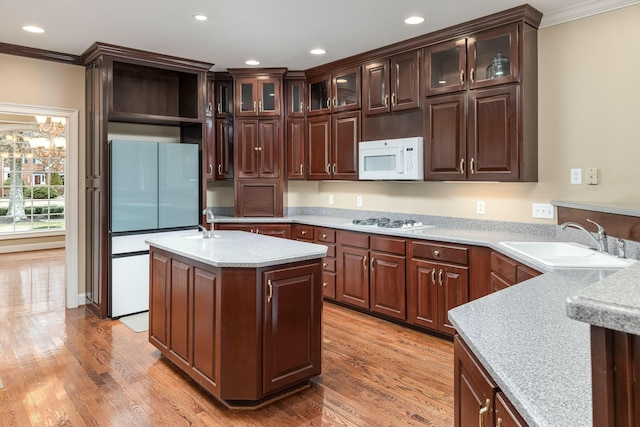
(244, 334)
(478, 401)
(268, 229)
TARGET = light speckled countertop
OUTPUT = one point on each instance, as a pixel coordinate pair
(239, 249)
(539, 357)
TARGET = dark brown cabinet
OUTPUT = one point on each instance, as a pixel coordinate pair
(257, 96)
(507, 272)
(478, 401)
(257, 148)
(268, 229)
(134, 87)
(438, 280)
(217, 148)
(332, 146)
(327, 237)
(371, 273)
(335, 92)
(392, 84)
(480, 114)
(243, 334)
(296, 135)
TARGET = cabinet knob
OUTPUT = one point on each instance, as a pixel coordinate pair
(324, 264)
(304, 232)
(325, 284)
(324, 236)
(436, 253)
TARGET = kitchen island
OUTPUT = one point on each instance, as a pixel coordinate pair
(240, 313)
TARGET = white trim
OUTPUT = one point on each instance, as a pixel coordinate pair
(82, 299)
(583, 10)
(71, 191)
(31, 247)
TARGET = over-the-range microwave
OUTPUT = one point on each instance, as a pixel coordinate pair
(391, 159)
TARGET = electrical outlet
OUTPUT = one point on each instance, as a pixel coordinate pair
(576, 176)
(359, 201)
(592, 176)
(543, 210)
(480, 207)
(330, 199)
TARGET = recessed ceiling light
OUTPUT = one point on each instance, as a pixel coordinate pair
(252, 62)
(33, 29)
(318, 51)
(413, 20)
(200, 17)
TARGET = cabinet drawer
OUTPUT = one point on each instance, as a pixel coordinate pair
(386, 244)
(504, 267)
(498, 283)
(304, 232)
(326, 235)
(358, 240)
(329, 284)
(439, 252)
(331, 250)
(525, 273)
(329, 264)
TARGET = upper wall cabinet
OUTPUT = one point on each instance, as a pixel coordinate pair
(392, 84)
(488, 58)
(257, 96)
(335, 92)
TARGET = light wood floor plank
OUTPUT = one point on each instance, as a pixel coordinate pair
(64, 367)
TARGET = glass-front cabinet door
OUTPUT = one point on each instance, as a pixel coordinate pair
(268, 97)
(295, 97)
(224, 98)
(346, 89)
(247, 103)
(319, 95)
(258, 97)
(493, 57)
(446, 67)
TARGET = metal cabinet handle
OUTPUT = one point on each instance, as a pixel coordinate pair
(269, 290)
(219, 107)
(472, 166)
(499, 422)
(461, 77)
(393, 99)
(328, 102)
(440, 277)
(301, 107)
(433, 275)
(257, 231)
(335, 103)
(373, 261)
(260, 106)
(364, 263)
(219, 168)
(328, 169)
(334, 168)
(301, 168)
(472, 75)
(462, 166)
(210, 169)
(386, 101)
(482, 411)
(255, 107)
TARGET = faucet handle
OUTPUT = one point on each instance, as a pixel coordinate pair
(600, 228)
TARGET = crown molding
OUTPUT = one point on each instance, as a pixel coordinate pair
(583, 10)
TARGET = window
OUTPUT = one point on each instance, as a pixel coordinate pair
(32, 156)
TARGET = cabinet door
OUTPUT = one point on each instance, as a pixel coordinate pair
(224, 98)
(492, 137)
(329, 284)
(422, 293)
(158, 299)
(493, 57)
(246, 97)
(445, 137)
(319, 95)
(295, 149)
(268, 148)
(405, 81)
(506, 415)
(209, 151)
(346, 135)
(224, 149)
(387, 285)
(353, 276)
(318, 147)
(268, 96)
(179, 309)
(210, 97)
(445, 67)
(345, 85)
(292, 326)
(296, 90)
(376, 88)
(453, 290)
(246, 146)
(473, 389)
(206, 328)
(273, 230)
(258, 197)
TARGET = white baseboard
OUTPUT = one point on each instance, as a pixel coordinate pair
(82, 299)
(31, 247)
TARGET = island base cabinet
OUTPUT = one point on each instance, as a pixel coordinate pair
(244, 334)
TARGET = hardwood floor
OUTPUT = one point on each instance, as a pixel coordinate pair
(68, 368)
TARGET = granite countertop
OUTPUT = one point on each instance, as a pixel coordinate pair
(238, 249)
(612, 303)
(539, 357)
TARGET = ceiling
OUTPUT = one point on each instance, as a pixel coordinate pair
(278, 33)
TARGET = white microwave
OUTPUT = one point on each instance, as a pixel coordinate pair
(391, 159)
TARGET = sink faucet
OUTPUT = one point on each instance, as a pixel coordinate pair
(207, 231)
(600, 237)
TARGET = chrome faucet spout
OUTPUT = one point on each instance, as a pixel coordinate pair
(600, 237)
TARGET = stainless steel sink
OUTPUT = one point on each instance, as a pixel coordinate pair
(567, 255)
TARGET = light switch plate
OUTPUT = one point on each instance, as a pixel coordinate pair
(359, 201)
(330, 199)
(542, 210)
(592, 177)
(480, 207)
(576, 176)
